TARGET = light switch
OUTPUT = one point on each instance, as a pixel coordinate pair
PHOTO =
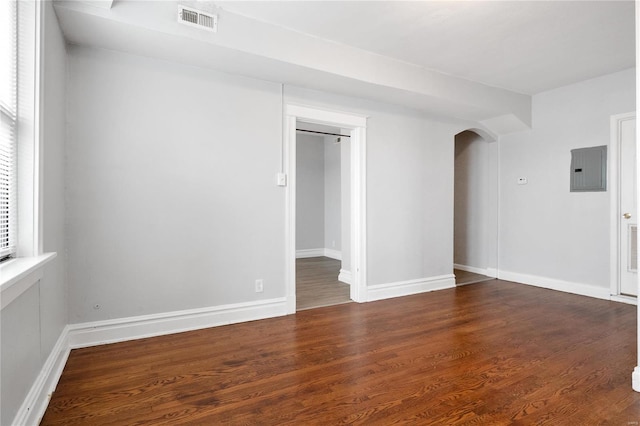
(282, 179)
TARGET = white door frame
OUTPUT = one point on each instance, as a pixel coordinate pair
(357, 124)
(614, 188)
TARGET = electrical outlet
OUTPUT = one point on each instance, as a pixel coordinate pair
(259, 286)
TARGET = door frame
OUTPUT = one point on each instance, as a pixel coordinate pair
(615, 213)
(357, 124)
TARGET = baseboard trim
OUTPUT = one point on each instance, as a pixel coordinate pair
(319, 252)
(492, 272)
(35, 403)
(345, 276)
(123, 329)
(302, 254)
(629, 300)
(558, 285)
(635, 379)
(406, 288)
(333, 254)
(489, 272)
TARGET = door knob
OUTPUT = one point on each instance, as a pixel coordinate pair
(627, 215)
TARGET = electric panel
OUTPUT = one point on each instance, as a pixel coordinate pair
(589, 169)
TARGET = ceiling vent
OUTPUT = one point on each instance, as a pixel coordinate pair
(197, 18)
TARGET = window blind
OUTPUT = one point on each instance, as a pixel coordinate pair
(8, 127)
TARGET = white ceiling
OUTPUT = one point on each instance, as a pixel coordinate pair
(477, 61)
(523, 46)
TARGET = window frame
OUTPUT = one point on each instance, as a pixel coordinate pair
(27, 212)
(9, 118)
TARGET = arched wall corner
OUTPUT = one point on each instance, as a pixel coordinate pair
(476, 226)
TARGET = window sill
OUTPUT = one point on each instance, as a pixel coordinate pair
(18, 275)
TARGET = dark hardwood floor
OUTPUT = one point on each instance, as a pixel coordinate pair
(493, 353)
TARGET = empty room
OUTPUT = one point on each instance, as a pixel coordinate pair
(309, 212)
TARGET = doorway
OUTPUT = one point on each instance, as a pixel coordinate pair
(322, 213)
(475, 209)
(353, 254)
(624, 207)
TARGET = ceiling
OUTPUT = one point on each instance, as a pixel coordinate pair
(477, 61)
(523, 46)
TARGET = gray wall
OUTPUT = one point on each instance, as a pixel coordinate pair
(345, 202)
(545, 230)
(171, 199)
(332, 203)
(191, 190)
(471, 201)
(33, 322)
(310, 192)
(318, 211)
(409, 187)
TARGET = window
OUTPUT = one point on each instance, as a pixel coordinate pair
(8, 127)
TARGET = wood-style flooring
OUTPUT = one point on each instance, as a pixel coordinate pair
(464, 277)
(494, 353)
(317, 283)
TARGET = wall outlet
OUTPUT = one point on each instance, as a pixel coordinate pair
(259, 286)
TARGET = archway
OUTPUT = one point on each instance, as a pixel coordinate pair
(475, 208)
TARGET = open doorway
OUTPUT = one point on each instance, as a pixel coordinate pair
(354, 253)
(322, 213)
(475, 209)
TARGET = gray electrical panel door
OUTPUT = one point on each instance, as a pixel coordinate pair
(589, 169)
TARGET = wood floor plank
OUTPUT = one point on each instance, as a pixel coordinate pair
(317, 283)
(489, 353)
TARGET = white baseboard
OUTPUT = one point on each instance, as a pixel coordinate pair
(489, 272)
(635, 379)
(629, 300)
(345, 276)
(123, 329)
(406, 288)
(302, 254)
(492, 272)
(333, 254)
(319, 252)
(559, 285)
(35, 403)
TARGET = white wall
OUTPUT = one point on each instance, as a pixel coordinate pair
(332, 202)
(310, 192)
(409, 188)
(171, 198)
(318, 211)
(32, 323)
(345, 202)
(545, 230)
(471, 201)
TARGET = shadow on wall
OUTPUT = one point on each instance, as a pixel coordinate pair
(472, 203)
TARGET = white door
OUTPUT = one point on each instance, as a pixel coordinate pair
(628, 209)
